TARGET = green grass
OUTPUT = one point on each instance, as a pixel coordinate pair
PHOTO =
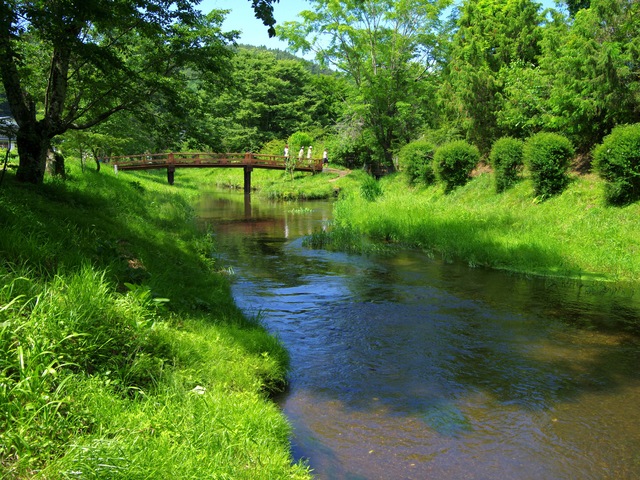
(122, 353)
(571, 235)
(276, 184)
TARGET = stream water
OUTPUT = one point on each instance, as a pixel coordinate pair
(405, 367)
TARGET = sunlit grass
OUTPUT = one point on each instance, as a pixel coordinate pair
(574, 234)
(122, 353)
(276, 184)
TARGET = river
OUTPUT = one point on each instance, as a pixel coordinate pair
(406, 367)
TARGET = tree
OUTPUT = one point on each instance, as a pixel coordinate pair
(386, 48)
(491, 36)
(273, 97)
(576, 5)
(122, 133)
(593, 70)
(266, 102)
(524, 108)
(71, 64)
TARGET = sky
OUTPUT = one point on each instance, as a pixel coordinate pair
(242, 18)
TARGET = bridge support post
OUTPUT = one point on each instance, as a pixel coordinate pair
(171, 170)
(247, 179)
(247, 206)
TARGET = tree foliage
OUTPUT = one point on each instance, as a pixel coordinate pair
(153, 75)
(523, 107)
(385, 47)
(575, 5)
(264, 11)
(492, 35)
(69, 65)
(593, 71)
(271, 98)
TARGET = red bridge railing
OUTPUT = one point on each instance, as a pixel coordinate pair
(248, 161)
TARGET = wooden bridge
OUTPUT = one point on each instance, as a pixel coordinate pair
(248, 161)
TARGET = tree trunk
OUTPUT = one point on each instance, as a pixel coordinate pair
(55, 164)
(96, 156)
(32, 148)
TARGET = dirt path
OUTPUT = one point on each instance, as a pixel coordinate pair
(341, 173)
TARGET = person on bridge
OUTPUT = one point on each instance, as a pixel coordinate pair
(301, 153)
(286, 152)
(325, 157)
(309, 153)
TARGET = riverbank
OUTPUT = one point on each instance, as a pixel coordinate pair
(277, 184)
(572, 235)
(122, 352)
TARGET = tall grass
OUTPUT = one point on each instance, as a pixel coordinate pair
(122, 353)
(574, 234)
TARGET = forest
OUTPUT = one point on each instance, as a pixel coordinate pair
(387, 73)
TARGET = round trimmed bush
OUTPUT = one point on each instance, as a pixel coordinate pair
(547, 155)
(416, 159)
(617, 161)
(506, 160)
(454, 162)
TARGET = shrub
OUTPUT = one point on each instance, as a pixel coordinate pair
(617, 161)
(416, 159)
(299, 140)
(273, 147)
(454, 163)
(351, 151)
(506, 160)
(547, 155)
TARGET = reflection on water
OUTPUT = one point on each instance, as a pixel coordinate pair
(409, 368)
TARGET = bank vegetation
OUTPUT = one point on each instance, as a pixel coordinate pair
(122, 353)
(573, 235)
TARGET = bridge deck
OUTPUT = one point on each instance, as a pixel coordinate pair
(204, 160)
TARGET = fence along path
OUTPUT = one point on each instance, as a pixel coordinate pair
(248, 161)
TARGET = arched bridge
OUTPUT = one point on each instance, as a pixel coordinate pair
(248, 161)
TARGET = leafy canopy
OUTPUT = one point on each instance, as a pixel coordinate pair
(385, 47)
(71, 64)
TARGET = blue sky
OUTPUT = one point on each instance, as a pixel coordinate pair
(253, 31)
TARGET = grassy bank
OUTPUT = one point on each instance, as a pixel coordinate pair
(571, 235)
(278, 184)
(122, 353)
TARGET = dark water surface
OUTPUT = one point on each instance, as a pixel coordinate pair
(405, 367)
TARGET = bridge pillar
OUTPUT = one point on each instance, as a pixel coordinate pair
(171, 170)
(247, 206)
(247, 179)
